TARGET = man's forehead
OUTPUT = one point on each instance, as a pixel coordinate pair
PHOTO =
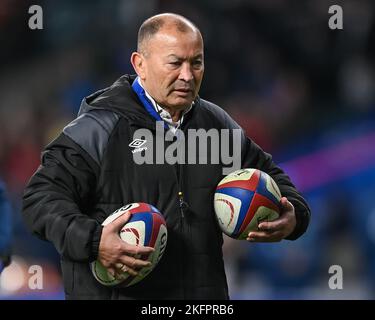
(171, 36)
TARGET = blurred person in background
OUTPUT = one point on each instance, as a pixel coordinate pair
(89, 171)
(5, 229)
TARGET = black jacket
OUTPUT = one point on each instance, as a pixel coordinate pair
(89, 171)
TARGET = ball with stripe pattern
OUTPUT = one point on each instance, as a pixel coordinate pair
(245, 198)
(146, 227)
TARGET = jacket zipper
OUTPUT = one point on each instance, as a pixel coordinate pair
(183, 205)
(181, 200)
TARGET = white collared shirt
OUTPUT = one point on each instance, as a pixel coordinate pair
(164, 114)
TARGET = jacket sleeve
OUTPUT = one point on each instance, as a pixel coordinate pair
(60, 197)
(255, 157)
(56, 198)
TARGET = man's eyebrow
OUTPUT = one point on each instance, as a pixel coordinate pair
(198, 56)
(172, 55)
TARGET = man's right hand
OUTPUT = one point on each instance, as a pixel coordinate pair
(117, 255)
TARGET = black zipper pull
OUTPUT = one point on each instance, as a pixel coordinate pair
(183, 204)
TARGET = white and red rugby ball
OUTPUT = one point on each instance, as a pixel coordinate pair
(146, 227)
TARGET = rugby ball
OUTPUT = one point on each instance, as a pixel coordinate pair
(245, 198)
(146, 227)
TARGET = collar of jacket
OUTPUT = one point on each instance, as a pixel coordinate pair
(141, 93)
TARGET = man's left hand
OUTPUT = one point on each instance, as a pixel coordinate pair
(278, 229)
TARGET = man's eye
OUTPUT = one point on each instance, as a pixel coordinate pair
(197, 64)
(175, 63)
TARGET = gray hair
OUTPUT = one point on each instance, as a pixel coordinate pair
(152, 25)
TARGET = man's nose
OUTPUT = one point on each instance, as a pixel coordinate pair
(186, 74)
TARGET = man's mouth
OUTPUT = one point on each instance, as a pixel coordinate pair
(183, 89)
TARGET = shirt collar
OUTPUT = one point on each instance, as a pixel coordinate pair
(164, 114)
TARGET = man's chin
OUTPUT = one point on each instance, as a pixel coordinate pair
(183, 105)
(182, 101)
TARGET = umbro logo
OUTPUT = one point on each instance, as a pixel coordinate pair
(137, 145)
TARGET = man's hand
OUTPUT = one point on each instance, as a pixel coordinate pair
(278, 229)
(117, 255)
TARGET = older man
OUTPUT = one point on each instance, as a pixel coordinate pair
(90, 170)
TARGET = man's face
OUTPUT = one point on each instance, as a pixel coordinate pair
(173, 67)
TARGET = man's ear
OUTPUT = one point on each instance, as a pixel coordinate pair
(139, 64)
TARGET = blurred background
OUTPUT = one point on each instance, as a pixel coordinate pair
(302, 91)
